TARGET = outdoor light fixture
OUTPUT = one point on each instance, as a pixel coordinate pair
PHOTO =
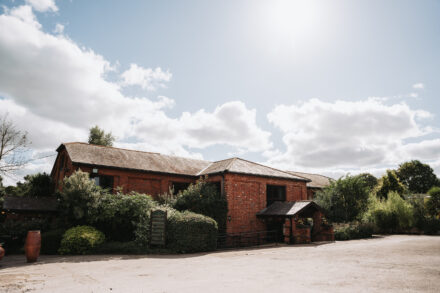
(229, 218)
(95, 170)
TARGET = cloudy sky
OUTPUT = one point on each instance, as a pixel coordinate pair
(318, 86)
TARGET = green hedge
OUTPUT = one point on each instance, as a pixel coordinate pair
(129, 247)
(190, 232)
(81, 240)
(51, 241)
(353, 231)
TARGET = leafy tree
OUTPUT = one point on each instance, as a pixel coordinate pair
(433, 203)
(417, 177)
(369, 180)
(389, 182)
(204, 198)
(344, 199)
(13, 143)
(99, 137)
(36, 185)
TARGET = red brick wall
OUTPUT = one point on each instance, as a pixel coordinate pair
(246, 196)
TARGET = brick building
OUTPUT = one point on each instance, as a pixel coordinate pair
(248, 187)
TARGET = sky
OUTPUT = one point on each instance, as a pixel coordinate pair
(329, 87)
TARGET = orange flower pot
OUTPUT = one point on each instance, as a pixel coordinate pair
(2, 252)
(32, 246)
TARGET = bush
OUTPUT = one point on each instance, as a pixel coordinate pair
(190, 232)
(345, 199)
(79, 195)
(353, 231)
(130, 247)
(81, 240)
(119, 215)
(389, 183)
(433, 203)
(204, 198)
(390, 215)
(51, 241)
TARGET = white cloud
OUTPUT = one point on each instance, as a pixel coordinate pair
(418, 86)
(147, 78)
(59, 28)
(347, 135)
(66, 92)
(43, 5)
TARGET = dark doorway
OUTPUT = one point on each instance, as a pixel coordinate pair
(180, 186)
(275, 228)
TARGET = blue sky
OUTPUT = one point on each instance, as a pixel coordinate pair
(316, 86)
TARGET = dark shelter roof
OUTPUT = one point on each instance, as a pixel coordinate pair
(42, 204)
(288, 209)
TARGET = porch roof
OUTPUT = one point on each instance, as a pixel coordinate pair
(288, 209)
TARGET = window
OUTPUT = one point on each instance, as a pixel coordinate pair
(179, 186)
(103, 180)
(275, 193)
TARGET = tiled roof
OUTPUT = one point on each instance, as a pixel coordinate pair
(90, 154)
(279, 208)
(237, 165)
(83, 153)
(317, 181)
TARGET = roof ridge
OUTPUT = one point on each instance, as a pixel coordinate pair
(310, 174)
(285, 172)
(124, 149)
(231, 162)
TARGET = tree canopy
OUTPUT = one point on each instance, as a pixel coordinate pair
(417, 177)
(99, 137)
(345, 199)
(389, 182)
(369, 180)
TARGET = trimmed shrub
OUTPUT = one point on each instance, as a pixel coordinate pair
(190, 232)
(120, 215)
(51, 241)
(81, 240)
(433, 203)
(353, 231)
(204, 198)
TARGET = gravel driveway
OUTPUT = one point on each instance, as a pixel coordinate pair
(398, 263)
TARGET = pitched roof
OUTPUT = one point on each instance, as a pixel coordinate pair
(317, 181)
(90, 154)
(237, 165)
(289, 209)
(18, 203)
(84, 153)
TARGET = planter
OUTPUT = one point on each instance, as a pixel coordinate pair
(2, 252)
(32, 246)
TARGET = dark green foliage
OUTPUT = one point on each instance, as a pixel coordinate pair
(81, 240)
(119, 215)
(354, 231)
(36, 185)
(344, 200)
(433, 202)
(369, 180)
(130, 247)
(51, 241)
(204, 198)
(99, 137)
(190, 232)
(16, 230)
(389, 183)
(417, 177)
